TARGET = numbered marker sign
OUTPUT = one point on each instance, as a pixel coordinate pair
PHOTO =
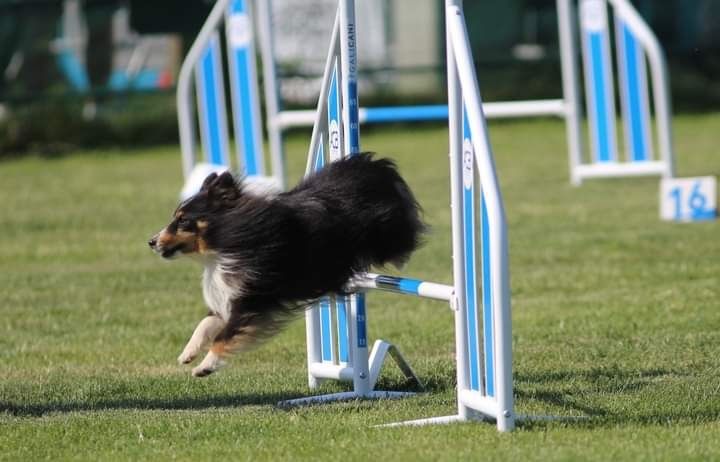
(688, 199)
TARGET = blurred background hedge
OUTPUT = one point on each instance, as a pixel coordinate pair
(62, 62)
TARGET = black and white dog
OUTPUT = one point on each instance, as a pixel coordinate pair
(267, 257)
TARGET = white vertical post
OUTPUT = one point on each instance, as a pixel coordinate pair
(571, 88)
(660, 80)
(599, 80)
(321, 109)
(271, 90)
(351, 140)
(455, 146)
(244, 87)
(498, 229)
(312, 339)
(212, 114)
(186, 123)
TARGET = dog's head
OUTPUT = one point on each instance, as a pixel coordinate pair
(185, 234)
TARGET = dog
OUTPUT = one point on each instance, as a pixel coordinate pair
(268, 257)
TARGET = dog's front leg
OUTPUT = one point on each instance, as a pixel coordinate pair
(204, 334)
(211, 363)
(242, 330)
(214, 358)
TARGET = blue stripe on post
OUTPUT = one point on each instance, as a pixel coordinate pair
(404, 285)
(319, 157)
(603, 129)
(636, 116)
(211, 118)
(333, 108)
(325, 330)
(246, 123)
(488, 324)
(333, 112)
(247, 130)
(324, 304)
(360, 321)
(353, 142)
(74, 71)
(410, 286)
(469, 260)
(342, 326)
(238, 6)
(354, 124)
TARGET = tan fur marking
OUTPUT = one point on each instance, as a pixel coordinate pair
(187, 239)
(202, 246)
(238, 343)
(165, 238)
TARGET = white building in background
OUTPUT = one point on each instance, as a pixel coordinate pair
(392, 35)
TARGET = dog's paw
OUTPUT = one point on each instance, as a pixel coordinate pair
(209, 364)
(202, 372)
(186, 357)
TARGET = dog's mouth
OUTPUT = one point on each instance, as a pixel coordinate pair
(165, 252)
(170, 252)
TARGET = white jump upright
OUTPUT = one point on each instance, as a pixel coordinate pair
(479, 296)
(636, 49)
(481, 290)
(337, 345)
(204, 60)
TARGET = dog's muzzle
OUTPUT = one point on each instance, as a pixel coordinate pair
(160, 250)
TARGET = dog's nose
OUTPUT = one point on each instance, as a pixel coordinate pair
(152, 242)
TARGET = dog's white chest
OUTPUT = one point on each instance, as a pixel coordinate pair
(217, 292)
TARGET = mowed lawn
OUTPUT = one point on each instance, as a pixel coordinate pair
(616, 318)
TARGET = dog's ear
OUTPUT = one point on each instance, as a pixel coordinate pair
(223, 189)
(208, 181)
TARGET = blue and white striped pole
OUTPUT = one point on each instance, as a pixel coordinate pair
(244, 88)
(335, 143)
(599, 90)
(500, 403)
(351, 128)
(633, 94)
(211, 104)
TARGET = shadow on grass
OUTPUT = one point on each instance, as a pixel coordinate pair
(100, 399)
(580, 392)
(140, 403)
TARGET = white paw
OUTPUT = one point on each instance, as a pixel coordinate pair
(186, 357)
(210, 364)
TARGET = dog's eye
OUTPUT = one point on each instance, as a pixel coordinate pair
(183, 222)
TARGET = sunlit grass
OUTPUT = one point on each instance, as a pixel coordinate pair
(616, 318)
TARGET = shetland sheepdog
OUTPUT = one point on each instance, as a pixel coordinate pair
(268, 257)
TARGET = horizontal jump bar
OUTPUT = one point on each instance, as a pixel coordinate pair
(497, 110)
(611, 169)
(331, 371)
(403, 286)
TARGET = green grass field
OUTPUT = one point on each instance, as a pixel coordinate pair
(616, 317)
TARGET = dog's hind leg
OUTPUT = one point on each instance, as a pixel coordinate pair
(204, 334)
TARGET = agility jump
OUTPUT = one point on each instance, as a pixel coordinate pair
(637, 48)
(646, 153)
(479, 295)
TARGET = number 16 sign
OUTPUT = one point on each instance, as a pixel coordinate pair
(688, 199)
